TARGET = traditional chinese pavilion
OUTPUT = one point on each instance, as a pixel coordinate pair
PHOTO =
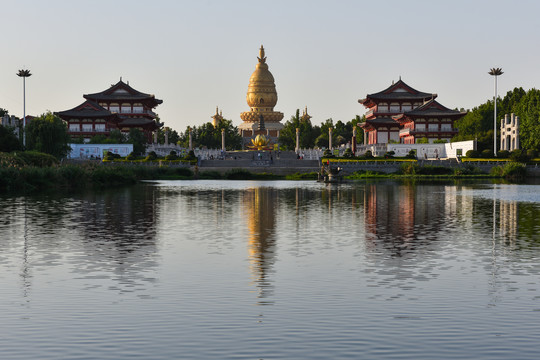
(403, 114)
(119, 107)
(430, 120)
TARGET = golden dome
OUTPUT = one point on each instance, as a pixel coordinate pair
(262, 96)
(262, 88)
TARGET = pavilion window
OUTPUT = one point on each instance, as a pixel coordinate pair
(138, 108)
(446, 127)
(394, 107)
(126, 108)
(420, 127)
(87, 128)
(100, 127)
(114, 108)
(433, 127)
(74, 127)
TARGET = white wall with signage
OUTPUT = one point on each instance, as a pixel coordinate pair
(97, 151)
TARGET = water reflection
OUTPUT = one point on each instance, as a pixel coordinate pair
(104, 235)
(260, 211)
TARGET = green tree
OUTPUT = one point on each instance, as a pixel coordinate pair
(308, 132)
(529, 115)
(116, 137)
(8, 140)
(137, 138)
(209, 136)
(48, 133)
(3, 112)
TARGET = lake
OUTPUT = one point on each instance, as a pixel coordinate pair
(272, 270)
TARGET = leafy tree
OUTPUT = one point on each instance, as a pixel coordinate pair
(8, 140)
(48, 133)
(137, 138)
(3, 112)
(209, 136)
(308, 132)
(529, 115)
(116, 137)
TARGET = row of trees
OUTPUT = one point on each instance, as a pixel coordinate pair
(209, 136)
(318, 136)
(478, 123)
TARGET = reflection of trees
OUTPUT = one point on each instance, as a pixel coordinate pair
(260, 207)
(118, 235)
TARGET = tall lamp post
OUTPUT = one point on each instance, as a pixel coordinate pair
(495, 72)
(24, 74)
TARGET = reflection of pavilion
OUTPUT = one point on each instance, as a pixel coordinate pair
(400, 214)
(259, 206)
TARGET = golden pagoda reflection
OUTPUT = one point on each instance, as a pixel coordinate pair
(259, 206)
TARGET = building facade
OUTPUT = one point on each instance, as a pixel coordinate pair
(402, 114)
(510, 132)
(118, 107)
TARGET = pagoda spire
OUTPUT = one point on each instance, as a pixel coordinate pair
(262, 57)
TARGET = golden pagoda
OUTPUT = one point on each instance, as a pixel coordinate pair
(217, 118)
(261, 98)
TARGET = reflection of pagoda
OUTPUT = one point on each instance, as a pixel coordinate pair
(259, 203)
(261, 98)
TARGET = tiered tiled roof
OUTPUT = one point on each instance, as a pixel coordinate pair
(121, 92)
(87, 110)
(398, 91)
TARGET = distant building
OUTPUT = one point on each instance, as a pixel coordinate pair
(510, 132)
(119, 107)
(261, 98)
(13, 122)
(402, 114)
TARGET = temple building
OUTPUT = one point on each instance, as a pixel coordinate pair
(118, 107)
(403, 114)
(261, 98)
(430, 120)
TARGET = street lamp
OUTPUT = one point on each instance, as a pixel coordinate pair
(24, 74)
(495, 72)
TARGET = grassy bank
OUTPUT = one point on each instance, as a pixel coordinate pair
(510, 170)
(30, 172)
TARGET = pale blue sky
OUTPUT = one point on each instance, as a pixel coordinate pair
(326, 55)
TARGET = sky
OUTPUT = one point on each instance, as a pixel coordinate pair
(196, 55)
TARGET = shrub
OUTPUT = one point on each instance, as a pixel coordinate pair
(348, 153)
(368, 155)
(389, 154)
(39, 159)
(109, 156)
(486, 154)
(409, 168)
(211, 175)
(131, 157)
(151, 156)
(519, 156)
(503, 154)
(171, 157)
(532, 153)
(190, 156)
(472, 154)
(239, 174)
(327, 153)
(411, 154)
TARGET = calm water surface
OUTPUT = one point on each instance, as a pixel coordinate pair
(272, 270)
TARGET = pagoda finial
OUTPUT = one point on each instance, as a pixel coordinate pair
(399, 77)
(120, 78)
(217, 111)
(262, 58)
